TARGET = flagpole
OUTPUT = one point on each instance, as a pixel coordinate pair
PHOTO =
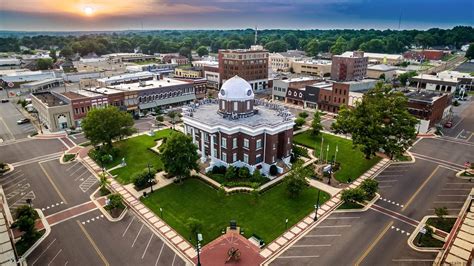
(327, 153)
(335, 154)
(321, 151)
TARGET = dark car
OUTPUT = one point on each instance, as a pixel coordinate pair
(5, 100)
(23, 121)
(448, 124)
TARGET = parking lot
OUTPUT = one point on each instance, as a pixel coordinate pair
(93, 240)
(9, 129)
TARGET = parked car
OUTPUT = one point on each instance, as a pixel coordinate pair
(448, 124)
(23, 121)
(5, 100)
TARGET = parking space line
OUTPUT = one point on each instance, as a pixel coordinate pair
(451, 189)
(85, 172)
(298, 257)
(128, 226)
(10, 181)
(342, 217)
(441, 202)
(412, 260)
(322, 235)
(72, 166)
(93, 243)
(146, 248)
(385, 186)
(310, 246)
(11, 174)
(387, 181)
(51, 261)
(22, 201)
(159, 254)
(139, 231)
(13, 185)
(47, 247)
(334, 226)
(52, 183)
(452, 196)
(75, 171)
(174, 258)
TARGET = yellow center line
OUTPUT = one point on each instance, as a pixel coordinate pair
(52, 183)
(369, 249)
(420, 188)
(93, 244)
(8, 129)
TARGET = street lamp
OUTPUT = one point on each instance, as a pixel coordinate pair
(286, 224)
(327, 153)
(198, 247)
(321, 151)
(161, 212)
(316, 207)
(150, 179)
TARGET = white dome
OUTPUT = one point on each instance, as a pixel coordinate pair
(236, 89)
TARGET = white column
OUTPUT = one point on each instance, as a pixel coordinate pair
(203, 149)
(194, 134)
(212, 147)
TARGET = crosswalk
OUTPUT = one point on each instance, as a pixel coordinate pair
(88, 183)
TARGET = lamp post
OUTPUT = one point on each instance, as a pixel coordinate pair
(161, 212)
(150, 179)
(335, 154)
(321, 151)
(327, 153)
(316, 207)
(286, 224)
(198, 247)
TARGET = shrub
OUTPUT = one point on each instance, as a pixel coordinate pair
(456, 103)
(244, 173)
(299, 122)
(370, 187)
(141, 180)
(273, 170)
(114, 202)
(257, 176)
(303, 115)
(219, 169)
(353, 195)
(194, 225)
(160, 118)
(231, 172)
(300, 151)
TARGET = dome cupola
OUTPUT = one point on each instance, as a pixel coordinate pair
(236, 98)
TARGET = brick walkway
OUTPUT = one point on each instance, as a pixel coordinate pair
(306, 224)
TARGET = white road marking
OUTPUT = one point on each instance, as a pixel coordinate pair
(88, 183)
(387, 181)
(51, 261)
(452, 196)
(440, 202)
(173, 259)
(85, 172)
(133, 244)
(310, 246)
(321, 235)
(451, 189)
(146, 248)
(159, 254)
(412, 260)
(385, 186)
(13, 180)
(126, 229)
(298, 257)
(47, 247)
(334, 226)
(343, 217)
(72, 166)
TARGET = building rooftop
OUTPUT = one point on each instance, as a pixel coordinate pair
(142, 74)
(49, 99)
(423, 96)
(41, 82)
(434, 78)
(376, 55)
(9, 61)
(314, 62)
(299, 79)
(149, 84)
(268, 115)
(104, 90)
(381, 67)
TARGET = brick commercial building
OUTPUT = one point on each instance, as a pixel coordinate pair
(429, 107)
(249, 64)
(293, 90)
(238, 130)
(420, 55)
(348, 67)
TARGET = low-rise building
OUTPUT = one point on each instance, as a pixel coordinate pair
(422, 55)
(349, 66)
(78, 76)
(292, 90)
(386, 72)
(283, 61)
(126, 78)
(238, 130)
(10, 63)
(320, 68)
(19, 77)
(429, 108)
(129, 57)
(43, 85)
(188, 72)
(54, 110)
(380, 58)
(434, 83)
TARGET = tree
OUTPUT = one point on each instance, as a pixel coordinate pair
(404, 77)
(172, 115)
(66, 52)
(441, 212)
(185, 51)
(312, 48)
(291, 40)
(340, 46)
(103, 125)
(179, 155)
(353, 195)
(202, 51)
(374, 46)
(299, 122)
(103, 182)
(142, 179)
(316, 126)
(44, 63)
(52, 54)
(26, 218)
(114, 203)
(382, 76)
(276, 46)
(380, 121)
(470, 52)
(303, 115)
(296, 180)
(370, 186)
(244, 173)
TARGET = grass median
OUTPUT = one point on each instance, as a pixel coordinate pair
(263, 216)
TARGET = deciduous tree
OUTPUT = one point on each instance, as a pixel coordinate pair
(179, 155)
(296, 180)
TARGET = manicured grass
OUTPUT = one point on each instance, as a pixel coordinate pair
(427, 241)
(137, 155)
(68, 157)
(353, 162)
(403, 158)
(350, 206)
(264, 217)
(445, 224)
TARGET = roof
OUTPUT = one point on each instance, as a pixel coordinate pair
(434, 78)
(149, 84)
(41, 82)
(298, 79)
(423, 96)
(236, 89)
(376, 55)
(142, 74)
(314, 62)
(4, 61)
(381, 67)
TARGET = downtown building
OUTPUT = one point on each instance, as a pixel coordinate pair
(249, 64)
(349, 67)
(238, 130)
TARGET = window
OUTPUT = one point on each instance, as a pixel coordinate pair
(246, 158)
(248, 105)
(273, 158)
(234, 157)
(288, 140)
(236, 106)
(259, 144)
(224, 143)
(224, 157)
(274, 146)
(246, 143)
(234, 143)
(258, 158)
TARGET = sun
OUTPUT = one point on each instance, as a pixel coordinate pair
(88, 11)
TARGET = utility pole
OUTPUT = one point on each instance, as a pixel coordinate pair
(256, 34)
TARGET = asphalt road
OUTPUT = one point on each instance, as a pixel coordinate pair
(92, 240)
(28, 149)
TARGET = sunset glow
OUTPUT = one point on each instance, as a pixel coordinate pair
(88, 11)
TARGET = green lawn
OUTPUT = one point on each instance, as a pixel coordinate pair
(353, 162)
(137, 155)
(264, 217)
(146, 62)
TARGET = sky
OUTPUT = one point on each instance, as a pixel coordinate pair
(90, 15)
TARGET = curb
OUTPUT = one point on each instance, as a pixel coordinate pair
(105, 212)
(459, 175)
(413, 160)
(366, 207)
(414, 234)
(47, 227)
(11, 168)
